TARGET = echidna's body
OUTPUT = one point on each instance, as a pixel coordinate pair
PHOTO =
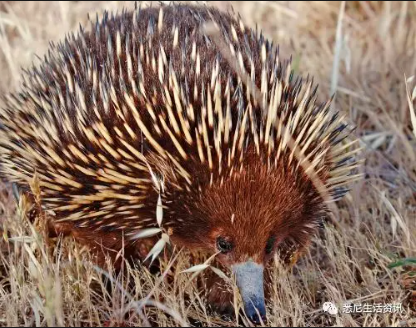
(146, 96)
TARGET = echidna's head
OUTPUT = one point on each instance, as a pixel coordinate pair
(247, 218)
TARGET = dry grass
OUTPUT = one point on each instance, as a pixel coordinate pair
(364, 53)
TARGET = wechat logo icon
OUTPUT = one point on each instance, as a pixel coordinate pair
(330, 307)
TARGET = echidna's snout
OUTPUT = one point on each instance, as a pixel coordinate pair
(249, 276)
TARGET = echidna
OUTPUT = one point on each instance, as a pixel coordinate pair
(145, 105)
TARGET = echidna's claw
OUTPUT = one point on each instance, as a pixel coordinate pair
(16, 192)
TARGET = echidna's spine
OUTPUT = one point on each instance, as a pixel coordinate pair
(149, 89)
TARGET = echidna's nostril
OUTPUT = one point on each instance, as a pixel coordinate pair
(256, 312)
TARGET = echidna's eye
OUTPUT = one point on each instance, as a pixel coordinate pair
(223, 245)
(270, 245)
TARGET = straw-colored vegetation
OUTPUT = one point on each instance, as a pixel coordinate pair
(366, 52)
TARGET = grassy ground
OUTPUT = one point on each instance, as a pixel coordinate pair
(363, 51)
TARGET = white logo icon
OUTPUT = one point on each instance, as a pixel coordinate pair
(330, 307)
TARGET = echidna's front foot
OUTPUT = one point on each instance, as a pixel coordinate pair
(15, 191)
(220, 298)
(225, 311)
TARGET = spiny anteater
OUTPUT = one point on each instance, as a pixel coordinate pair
(147, 95)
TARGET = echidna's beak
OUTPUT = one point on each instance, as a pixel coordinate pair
(249, 276)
